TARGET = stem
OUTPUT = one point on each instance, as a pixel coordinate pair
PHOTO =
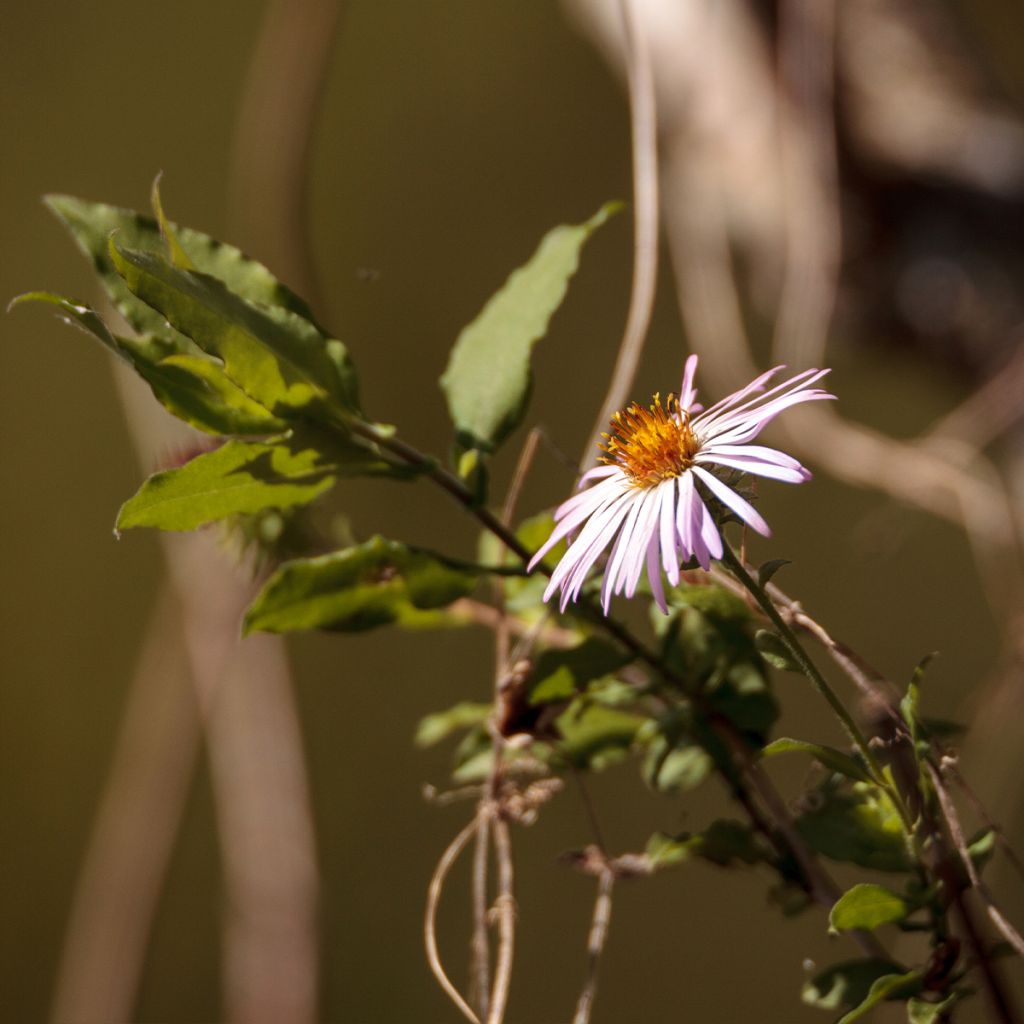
(444, 865)
(808, 668)
(819, 884)
(481, 952)
(595, 944)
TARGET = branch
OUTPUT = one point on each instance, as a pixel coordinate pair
(434, 890)
(595, 943)
(644, 120)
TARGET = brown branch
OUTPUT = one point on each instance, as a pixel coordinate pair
(506, 911)
(480, 947)
(994, 985)
(643, 115)
(595, 943)
(133, 835)
(809, 180)
(434, 891)
(274, 133)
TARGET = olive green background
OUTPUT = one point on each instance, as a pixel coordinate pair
(453, 134)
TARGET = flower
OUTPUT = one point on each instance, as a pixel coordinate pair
(661, 464)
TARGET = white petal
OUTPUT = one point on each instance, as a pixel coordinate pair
(687, 392)
(756, 466)
(654, 574)
(684, 514)
(619, 553)
(730, 498)
(668, 534)
(646, 531)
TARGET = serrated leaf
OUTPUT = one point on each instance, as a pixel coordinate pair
(560, 674)
(846, 984)
(238, 478)
(192, 387)
(441, 724)
(91, 225)
(857, 826)
(774, 650)
(487, 381)
(373, 584)
(867, 906)
(828, 756)
(175, 250)
(280, 362)
(769, 569)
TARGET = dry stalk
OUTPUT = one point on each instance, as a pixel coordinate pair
(643, 115)
(434, 890)
(595, 943)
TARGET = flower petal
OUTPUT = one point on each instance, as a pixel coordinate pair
(668, 534)
(730, 498)
(654, 573)
(756, 466)
(687, 392)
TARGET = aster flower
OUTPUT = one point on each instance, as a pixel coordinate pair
(661, 465)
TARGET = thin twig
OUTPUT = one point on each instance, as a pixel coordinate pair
(274, 135)
(506, 910)
(480, 947)
(993, 982)
(809, 178)
(434, 890)
(595, 943)
(956, 832)
(132, 839)
(645, 223)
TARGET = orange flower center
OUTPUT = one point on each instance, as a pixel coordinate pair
(650, 445)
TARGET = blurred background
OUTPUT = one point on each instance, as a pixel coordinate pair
(840, 182)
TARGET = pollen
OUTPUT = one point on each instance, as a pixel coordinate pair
(651, 445)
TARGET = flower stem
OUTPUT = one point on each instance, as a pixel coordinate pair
(802, 659)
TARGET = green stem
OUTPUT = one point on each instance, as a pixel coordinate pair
(819, 682)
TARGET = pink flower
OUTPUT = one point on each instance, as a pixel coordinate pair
(660, 467)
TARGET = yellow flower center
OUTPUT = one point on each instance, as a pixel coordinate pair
(650, 445)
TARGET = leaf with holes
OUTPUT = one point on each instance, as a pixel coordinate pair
(378, 583)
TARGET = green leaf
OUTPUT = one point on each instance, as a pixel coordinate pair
(238, 478)
(858, 826)
(595, 737)
(487, 381)
(920, 1012)
(281, 362)
(866, 906)
(846, 984)
(192, 387)
(889, 986)
(175, 251)
(441, 724)
(372, 584)
(769, 569)
(676, 769)
(724, 843)
(560, 674)
(712, 600)
(829, 757)
(774, 650)
(91, 225)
